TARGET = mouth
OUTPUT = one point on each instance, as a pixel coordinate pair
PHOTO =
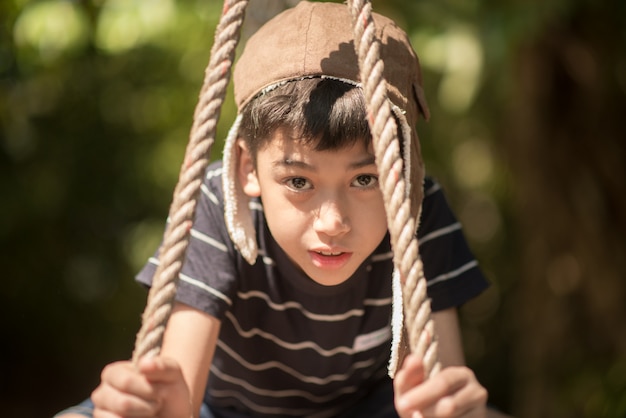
(330, 253)
(330, 259)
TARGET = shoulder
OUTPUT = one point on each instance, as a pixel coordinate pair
(431, 187)
(436, 212)
(209, 226)
(213, 179)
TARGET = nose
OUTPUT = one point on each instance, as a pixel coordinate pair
(331, 218)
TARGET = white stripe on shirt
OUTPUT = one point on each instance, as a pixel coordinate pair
(292, 372)
(297, 306)
(220, 394)
(214, 173)
(207, 239)
(382, 257)
(205, 287)
(434, 188)
(210, 195)
(440, 232)
(280, 393)
(454, 273)
(302, 345)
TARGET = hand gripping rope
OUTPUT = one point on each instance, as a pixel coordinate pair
(418, 325)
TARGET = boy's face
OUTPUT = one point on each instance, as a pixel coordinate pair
(324, 208)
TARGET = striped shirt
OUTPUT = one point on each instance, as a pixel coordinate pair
(289, 346)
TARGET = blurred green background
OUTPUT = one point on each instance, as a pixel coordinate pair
(527, 136)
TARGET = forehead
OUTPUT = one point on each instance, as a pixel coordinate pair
(284, 150)
(286, 135)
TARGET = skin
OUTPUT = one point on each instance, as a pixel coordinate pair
(336, 218)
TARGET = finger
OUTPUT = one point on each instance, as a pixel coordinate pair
(423, 397)
(469, 401)
(125, 378)
(410, 374)
(110, 402)
(125, 391)
(160, 369)
(100, 413)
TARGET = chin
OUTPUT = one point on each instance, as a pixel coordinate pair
(330, 279)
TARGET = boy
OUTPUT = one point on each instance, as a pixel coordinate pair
(284, 302)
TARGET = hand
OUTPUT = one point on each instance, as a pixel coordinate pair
(155, 388)
(453, 392)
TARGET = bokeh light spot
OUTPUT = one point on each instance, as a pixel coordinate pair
(52, 28)
(473, 163)
(126, 24)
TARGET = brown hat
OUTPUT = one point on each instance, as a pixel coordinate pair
(316, 40)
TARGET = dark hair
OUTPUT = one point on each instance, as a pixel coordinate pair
(327, 113)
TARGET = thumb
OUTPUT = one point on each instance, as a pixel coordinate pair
(159, 369)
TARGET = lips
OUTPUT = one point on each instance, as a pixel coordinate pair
(330, 259)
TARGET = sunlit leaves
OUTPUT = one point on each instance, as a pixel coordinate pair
(126, 24)
(51, 29)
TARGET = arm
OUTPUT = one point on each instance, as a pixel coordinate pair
(169, 385)
(449, 334)
(454, 391)
(190, 339)
(451, 352)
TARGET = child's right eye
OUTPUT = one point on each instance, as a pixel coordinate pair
(298, 183)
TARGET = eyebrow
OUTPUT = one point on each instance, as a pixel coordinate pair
(291, 162)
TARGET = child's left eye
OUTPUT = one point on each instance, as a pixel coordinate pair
(365, 181)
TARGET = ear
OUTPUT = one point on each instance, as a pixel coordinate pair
(246, 171)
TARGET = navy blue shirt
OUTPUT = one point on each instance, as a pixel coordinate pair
(289, 346)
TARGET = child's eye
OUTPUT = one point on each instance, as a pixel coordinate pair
(298, 183)
(365, 181)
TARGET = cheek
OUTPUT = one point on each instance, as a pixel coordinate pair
(379, 228)
(286, 223)
(372, 208)
(374, 220)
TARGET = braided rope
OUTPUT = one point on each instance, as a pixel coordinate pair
(202, 136)
(417, 321)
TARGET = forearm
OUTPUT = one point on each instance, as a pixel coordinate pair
(190, 338)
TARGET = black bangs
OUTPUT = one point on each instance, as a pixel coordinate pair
(326, 113)
(334, 116)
